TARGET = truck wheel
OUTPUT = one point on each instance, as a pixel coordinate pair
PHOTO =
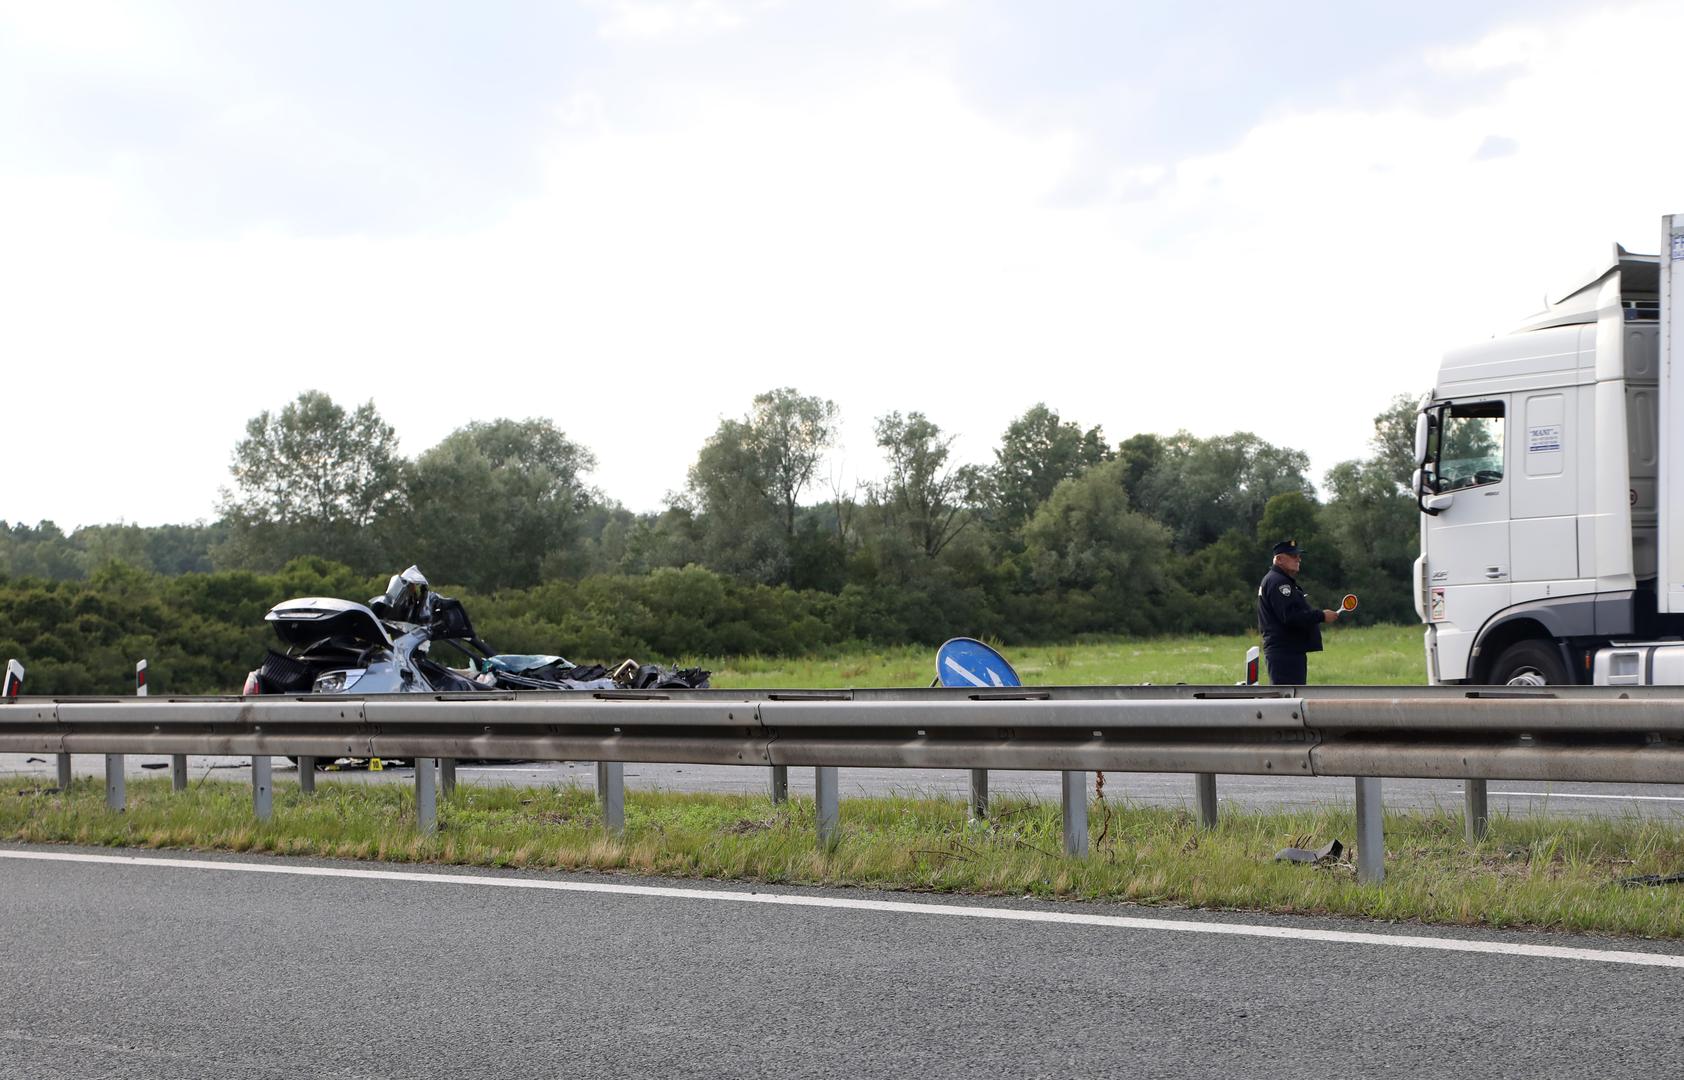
(1529, 663)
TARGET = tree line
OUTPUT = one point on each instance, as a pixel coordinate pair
(1063, 533)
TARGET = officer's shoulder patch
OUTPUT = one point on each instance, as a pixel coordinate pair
(1286, 590)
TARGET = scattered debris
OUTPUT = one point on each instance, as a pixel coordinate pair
(1652, 879)
(154, 764)
(35, 761)
(1330, 853)
(747, 825)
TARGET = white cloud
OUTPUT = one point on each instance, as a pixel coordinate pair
(882, 243)
(661, 18)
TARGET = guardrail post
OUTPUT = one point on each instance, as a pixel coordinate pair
(780, 783)
(1371, 835)
(1204, 790)
(1075, 812)
(827, 808)
(114, 792)
(426, 797)
(611, 794)
(447, 776)
(262, 787)
(979, 794)
(1476, 810)
(64, 772)
(306, 774)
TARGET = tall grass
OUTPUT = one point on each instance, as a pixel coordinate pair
(1529, 871)
(1354, 654)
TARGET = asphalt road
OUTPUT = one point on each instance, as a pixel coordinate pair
(154, 970)
(1515, 798)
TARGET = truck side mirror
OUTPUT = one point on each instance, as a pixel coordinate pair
(1429, 501)
(1422, 425)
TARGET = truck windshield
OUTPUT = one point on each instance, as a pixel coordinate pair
(1470, 446)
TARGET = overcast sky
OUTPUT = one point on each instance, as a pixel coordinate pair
(631, 216)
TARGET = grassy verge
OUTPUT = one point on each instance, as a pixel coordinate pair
(1530, 872)
(1354, 654)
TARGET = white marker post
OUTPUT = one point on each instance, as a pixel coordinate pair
(13, 685)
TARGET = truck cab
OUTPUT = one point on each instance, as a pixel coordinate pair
(1543, 465)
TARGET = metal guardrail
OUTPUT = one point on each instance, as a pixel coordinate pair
(1475, 734)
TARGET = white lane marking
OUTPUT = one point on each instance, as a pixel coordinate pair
(964, 673)
(1118, 922)
(1577, 795)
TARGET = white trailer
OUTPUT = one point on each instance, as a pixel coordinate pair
(1551, 485)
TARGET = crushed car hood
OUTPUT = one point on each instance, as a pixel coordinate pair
(313, 618)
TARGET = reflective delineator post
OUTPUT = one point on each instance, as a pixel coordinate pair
(611, 794)
(979, 794)
(780, 783)
(178, 762)
(1476, 810)
(1075, 812)
(1371, 834)
(10, 687)
(426, 796)
(827, 806)
(262, 787)
(1204, 784)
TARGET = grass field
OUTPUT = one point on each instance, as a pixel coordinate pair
(1528, 872)
(1359, 654)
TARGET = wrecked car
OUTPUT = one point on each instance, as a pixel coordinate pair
(412, 640)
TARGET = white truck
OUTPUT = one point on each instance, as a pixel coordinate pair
(1551, 488)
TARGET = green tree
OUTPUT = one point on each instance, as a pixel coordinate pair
(1036, 453)
(922, 497)
(738, 519)
(1375, 529)
(748, 479)
(489, 503)
(1394, 439)
(1101, 561)
(310, 479)
(1201, 488)
(788, 433)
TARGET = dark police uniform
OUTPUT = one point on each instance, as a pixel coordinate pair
(1291, 627)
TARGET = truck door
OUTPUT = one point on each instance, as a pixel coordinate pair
(1465, 489)
(1544, 496)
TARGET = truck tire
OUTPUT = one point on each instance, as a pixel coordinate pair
(1529, 663)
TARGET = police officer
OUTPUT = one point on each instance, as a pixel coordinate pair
(1291, 627)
